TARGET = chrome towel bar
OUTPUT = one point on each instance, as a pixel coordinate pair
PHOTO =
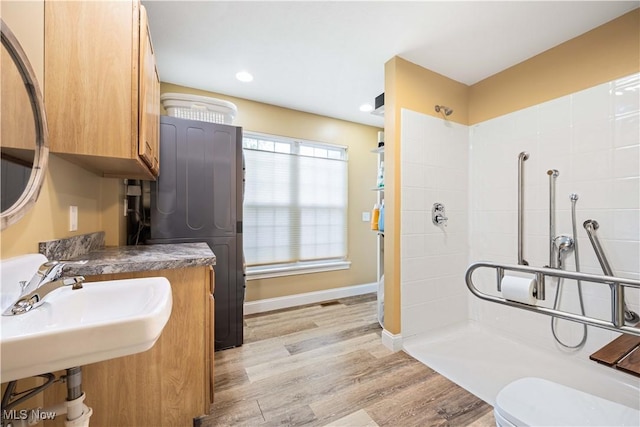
(615, 283)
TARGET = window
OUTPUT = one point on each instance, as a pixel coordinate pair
(295, 204)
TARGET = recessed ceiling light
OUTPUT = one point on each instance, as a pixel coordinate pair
(366, 108)
(244, 76)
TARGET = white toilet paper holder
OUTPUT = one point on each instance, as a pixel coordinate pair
(616, 285)
(539, 290)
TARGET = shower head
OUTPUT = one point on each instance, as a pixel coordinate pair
(444, 110)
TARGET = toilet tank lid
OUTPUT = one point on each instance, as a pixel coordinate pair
(539, 402)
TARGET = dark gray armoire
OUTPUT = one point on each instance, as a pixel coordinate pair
(198, 198)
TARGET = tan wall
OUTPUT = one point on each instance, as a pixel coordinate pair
(265, 118)
(600, 55)
(65, 183)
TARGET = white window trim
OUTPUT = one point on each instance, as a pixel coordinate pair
(280, 270)
(302, 267)
(279, 138)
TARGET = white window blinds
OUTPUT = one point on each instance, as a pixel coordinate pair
(295, 201)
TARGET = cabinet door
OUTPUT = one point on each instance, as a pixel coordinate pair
(149, 99)
(93, 86)
(89, 77)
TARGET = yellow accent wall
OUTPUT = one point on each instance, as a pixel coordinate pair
(600, 55)
(271, 119)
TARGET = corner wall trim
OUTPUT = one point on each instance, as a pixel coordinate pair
(270, 304)
(391, 341)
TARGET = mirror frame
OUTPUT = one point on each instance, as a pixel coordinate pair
(41, 156)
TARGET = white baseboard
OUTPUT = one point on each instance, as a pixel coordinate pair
(270, 304)
(391, 341)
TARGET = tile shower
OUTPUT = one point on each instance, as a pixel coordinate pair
(592, 138)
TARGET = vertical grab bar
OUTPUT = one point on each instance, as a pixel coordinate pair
(553, 174)
(521, 159)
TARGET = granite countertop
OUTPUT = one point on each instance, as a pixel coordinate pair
(126, 259)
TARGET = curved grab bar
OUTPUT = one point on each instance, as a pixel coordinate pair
(541, 273)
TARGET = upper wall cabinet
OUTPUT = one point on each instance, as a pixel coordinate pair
(102, 91)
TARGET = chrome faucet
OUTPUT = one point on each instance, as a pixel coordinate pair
(47, 279)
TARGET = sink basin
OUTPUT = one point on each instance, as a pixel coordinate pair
(72, 328)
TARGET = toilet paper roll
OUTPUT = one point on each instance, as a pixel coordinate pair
(519, 289)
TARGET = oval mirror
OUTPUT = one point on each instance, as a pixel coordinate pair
(24, 148)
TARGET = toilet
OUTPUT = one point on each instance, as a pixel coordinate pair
(538, 402)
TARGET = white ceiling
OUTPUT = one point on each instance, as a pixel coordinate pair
(327, 57)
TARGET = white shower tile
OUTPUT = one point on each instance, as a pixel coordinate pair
(595, 135)
(626, 162)
(626, 95)
(417, 292)
(625, 255)
(413, 125)
(413, 199)
(415, 268)
(626, 193)
(413, 222)
(458, 222)
(626, 224)
(626, 131)
(595, 165)
(591, 104)
(414, 246)
(555, 142)
(413, 175)
(452, 179)
(554, 114)
(453, 200)
(525, 122)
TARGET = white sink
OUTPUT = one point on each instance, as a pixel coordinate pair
(101, 321)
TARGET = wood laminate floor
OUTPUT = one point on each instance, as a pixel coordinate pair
(324, 364)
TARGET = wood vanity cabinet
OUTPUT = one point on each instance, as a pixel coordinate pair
(168, 385)
(102, 91)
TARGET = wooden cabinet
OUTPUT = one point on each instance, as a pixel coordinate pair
(101, 87)
(149, 114)
(168, 385)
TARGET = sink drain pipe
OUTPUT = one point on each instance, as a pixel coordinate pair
(77, 413)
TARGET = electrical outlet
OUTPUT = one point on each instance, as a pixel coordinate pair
(366, 216)
(73, 218)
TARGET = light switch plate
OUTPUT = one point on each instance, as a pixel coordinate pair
(366, 216)
(73, 218)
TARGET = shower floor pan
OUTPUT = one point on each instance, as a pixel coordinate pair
(484, 362)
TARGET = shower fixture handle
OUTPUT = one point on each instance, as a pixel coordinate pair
(438, 215)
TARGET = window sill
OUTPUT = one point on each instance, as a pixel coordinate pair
(255, 273)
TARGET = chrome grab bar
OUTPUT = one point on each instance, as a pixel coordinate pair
(617, 296)
(553, 175)
(591, 226)
(521, 159)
